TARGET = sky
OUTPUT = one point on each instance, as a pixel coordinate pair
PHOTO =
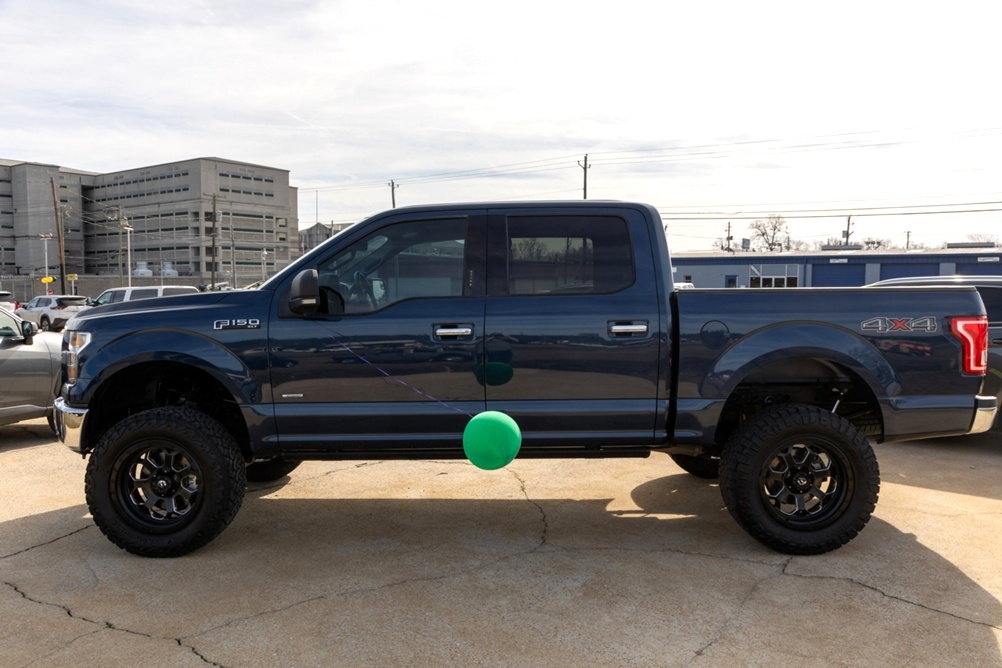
(714, 112)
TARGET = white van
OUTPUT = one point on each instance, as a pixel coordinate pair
(130, 294)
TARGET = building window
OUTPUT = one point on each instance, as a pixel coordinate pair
(774, 275)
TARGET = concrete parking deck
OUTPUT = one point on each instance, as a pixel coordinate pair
(621, 562)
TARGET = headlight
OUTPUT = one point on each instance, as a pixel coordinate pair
(75, 342)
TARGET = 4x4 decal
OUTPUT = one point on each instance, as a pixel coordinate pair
(883, 324)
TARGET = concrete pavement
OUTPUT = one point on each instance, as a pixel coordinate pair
(620, 562)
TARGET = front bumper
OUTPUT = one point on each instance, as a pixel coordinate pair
(985, 409)
(69, 424)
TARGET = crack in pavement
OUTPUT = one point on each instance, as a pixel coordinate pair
(891, 597)
(103, 626)
(785, 572)
(48, 542)
(544, 520)
(725, 624)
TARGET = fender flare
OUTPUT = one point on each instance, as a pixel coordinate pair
(800, 340)
(180, 347)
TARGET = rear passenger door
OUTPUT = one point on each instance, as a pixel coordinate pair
(571, 347)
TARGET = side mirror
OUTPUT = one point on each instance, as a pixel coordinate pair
(28, 331)
(304, 295)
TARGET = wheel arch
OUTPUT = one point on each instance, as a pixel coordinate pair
(152, 383)
(839, 386)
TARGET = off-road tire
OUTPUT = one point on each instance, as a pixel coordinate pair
(271, 469)
(701, 466)
(799, 479)
(164, 482)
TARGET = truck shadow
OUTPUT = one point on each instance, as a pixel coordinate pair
(26, 434)
(672, 533)
(970, 465)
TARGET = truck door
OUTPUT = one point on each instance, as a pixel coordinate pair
(390, 362)
(28, 371)
(572, 346)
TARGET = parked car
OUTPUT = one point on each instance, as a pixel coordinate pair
(29, 369)
(115, 295)
(8, 302)
(50, 312)
(990, 289)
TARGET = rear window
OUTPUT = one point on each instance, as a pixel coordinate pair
(178, 290)
(568, 255)
(71, 301)
(143, 293)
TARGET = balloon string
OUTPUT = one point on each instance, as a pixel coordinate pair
(390, 376)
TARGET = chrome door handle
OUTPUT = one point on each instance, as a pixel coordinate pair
(631, 328)
(456, 330)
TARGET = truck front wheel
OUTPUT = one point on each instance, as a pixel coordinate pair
(799, 479)
(164, 482)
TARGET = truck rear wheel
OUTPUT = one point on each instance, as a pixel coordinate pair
(164, 482)
(799, 479)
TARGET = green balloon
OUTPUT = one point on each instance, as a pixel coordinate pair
(491, 440)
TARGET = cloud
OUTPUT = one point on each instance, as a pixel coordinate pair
(685, 105)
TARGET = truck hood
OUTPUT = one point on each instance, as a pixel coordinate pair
(166, 305)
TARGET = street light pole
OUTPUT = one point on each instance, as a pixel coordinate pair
(128, 248)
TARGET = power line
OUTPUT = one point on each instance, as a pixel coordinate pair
(796, 216)
(674, 154)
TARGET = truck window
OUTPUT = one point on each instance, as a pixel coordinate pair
(143, 293)
(401, 261)
(568, 255)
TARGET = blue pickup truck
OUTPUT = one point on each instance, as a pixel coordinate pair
(386, 340)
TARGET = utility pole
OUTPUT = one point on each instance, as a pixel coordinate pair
(728, 238)
(115, 214)
(393, 192)
(908, 239)
(59, 237)
(215, 220)
(585, 167)
(45, 246)
(848, 227)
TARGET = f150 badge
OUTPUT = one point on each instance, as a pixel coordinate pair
(923, 324)
(238, 323)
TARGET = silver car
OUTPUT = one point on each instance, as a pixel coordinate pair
(52, 311)
(29, 369)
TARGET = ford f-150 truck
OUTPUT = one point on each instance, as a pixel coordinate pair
(387, 339)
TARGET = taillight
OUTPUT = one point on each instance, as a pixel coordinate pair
(973, 335)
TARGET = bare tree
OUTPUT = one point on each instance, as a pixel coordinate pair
(769, 233)
(722, 244)
(983, 237)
